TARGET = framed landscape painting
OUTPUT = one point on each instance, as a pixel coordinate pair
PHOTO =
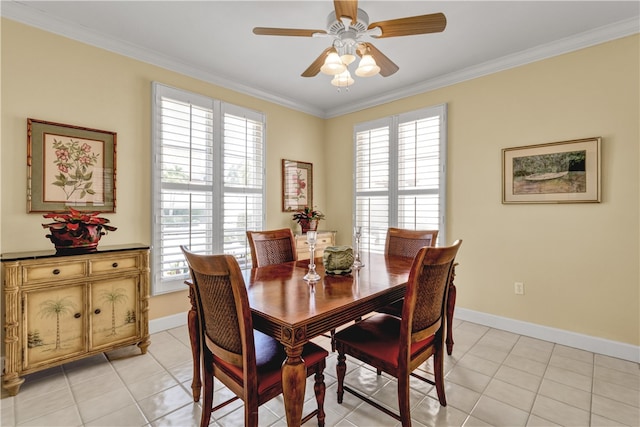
(70, 166)
(297, 185)
(558, 172)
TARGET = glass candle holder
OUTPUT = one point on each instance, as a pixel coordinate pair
(357, 233)
(312, 276)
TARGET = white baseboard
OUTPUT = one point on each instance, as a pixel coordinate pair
(559, 336)
(168, 322)
(546, 333)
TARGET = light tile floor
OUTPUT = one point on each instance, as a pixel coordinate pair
(493, 378)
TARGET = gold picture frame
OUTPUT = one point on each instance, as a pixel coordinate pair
(558, 172)
(297, 185)
(70, 166)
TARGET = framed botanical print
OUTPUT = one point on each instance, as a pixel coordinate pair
(70, 166)
(297, 185)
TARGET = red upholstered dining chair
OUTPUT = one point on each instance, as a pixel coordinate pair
(398, 345)
(406, 243)
(245, 360)
(272, 247)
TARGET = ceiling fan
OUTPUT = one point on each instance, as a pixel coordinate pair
(348, 25)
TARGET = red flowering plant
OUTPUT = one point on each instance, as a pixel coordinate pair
(76, 232)
(75, 220)
(308, 214)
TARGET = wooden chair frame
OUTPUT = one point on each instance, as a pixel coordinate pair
(399, 233)
(416, 343)
(407, 243)
(219, 362)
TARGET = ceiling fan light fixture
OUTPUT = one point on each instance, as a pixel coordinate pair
(347, 24)
(347, 58)
(348, 54)
(367, 67)
(343, 79)
(333, 65)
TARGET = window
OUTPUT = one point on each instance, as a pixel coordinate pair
(399, 176)
(208, 181)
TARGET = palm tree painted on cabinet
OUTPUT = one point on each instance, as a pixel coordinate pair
(56, 308)
(113, 297)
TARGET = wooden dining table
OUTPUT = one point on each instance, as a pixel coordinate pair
(294, 311)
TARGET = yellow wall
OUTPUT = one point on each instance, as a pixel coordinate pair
(579, 263)
(53, 78)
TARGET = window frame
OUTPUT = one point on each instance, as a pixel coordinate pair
(393, 192)
(216, 191)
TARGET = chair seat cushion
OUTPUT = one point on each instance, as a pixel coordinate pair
(378, 336)
(270, 355)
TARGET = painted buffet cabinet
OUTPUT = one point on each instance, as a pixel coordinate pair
(61, 308)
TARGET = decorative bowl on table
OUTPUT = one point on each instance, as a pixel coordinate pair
(337, 259)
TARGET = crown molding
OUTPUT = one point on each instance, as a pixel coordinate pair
(559, 47)
(29, 15)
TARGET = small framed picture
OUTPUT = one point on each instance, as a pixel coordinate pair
(558, 172)
(70, 166)
(297, 185)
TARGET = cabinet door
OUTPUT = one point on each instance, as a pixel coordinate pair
(114, 311)
(54, 324)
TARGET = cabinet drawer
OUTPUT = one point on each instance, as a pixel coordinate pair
(114, 264)
(321, 243)
(57, 271)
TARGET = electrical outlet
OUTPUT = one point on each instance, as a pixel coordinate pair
(519, 288)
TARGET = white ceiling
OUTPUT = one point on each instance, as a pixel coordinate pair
(213, 41)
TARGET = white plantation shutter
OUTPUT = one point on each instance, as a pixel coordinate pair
(372, 186)
(243, 178)
(399, 175)
(208, 181)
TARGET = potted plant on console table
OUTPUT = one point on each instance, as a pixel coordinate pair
(76, 232)
(308, 218)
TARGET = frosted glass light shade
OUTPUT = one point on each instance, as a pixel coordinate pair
(343, 79)
(333, 65)
(367, 67)
(347, 58)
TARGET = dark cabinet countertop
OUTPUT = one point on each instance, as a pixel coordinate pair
(51, 253)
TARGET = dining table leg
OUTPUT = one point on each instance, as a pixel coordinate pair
(294, 375)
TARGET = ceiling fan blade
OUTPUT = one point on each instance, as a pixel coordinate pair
(265, 31)
(387, 66)
(347, 8)
(422, 24)
(314, 68)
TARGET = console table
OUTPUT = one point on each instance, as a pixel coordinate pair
(60, 308)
